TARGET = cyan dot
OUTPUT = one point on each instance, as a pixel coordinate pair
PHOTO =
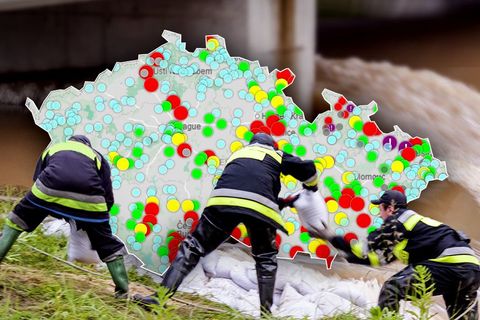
(151, 191)
(332, 140)
(192, 112)
(169, 163)
(89, 128)
(116, 185)
(140, 177)
(171, 189)
(98, 127)
(88, 88)
(101, 87)
(129, 82)
(235, 122)
(238, 112)
(105, 143)
(350, 163)
(200, 96)
(221, 144)
(162, 169)
(138, 164)
(128, 127)
(120, 136)
(261, 78)
(218, 82)
(127, 142)
(136, 192)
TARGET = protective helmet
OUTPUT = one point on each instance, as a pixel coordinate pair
(263, 138)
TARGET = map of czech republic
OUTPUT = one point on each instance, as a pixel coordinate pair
(168, 121)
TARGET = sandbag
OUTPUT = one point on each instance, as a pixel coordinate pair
(79, 246)
(312, 211)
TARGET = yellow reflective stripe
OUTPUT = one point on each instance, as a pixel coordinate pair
(244, 203)
(374, 259)
(75, 204)
(412, 221)
(74, 146)
(461, 258)
(431, 222)
(357, 249)
(256, 153)
(12, 225)
(399, 251)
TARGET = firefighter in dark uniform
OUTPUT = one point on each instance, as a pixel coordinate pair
(247, 192)
(72, 181)
(418, 240)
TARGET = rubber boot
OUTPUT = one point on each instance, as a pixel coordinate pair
(9, 236)
(120, 278)
(266, 266)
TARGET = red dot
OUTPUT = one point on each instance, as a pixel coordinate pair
(370, 128)
(184, 150)
(350, 236)
(180, 113)
(194, 226)
(415, 141)
(174, 235)
(303, 229)
(149, 228)
(294, 250)
(152, 208)
(342, 100)
(151, 84)
(156, 56)
(286, 74)
(323, 251)
(272, 119)
(150, 218)
(236, 233)
(329, 262)
(278, 129)
(357, 204)
(328, 120)
(247, 241)
(328, 199)
(256, 124)
(145, 72)
(409, 154)
(190, 215)
(399, 188)
(278, 240)
(174, 100)
(264, 130)
(348, 191)
(344, 201)
(363, 220)
(345, 114)
(338, 106)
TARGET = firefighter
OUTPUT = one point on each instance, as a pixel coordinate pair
(72, 181)
(247, 192)
(418, 240)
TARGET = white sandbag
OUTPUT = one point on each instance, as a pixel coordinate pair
(239, 275)
(79, 246)
(312, 211)
(56, 227)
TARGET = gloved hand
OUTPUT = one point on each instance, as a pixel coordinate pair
(310, 188)
(287, 202)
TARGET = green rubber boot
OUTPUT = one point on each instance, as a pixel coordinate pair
(9, 236)
(119, 277)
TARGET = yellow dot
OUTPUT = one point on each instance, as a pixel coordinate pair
(347, 177)
(339, 216)
(397, 166)
(277, 101)
(153, 199)
(332, 205)
(354, 120)
(112, 155)
(187, 205)
(282, 82)
(254, 89)
(179, 138)
(260, 96)
(322, 162)
(329, 161)
(294, 210)
(173, 205)
(140, 228)
(123, 164)
(243, 230)
(240, 131)
(289, 179)
(281, 143)
(213, 160)
(422, 171)
(319, 166)
(290, 227)
(235, 145)
(313, 245)
(212, 44)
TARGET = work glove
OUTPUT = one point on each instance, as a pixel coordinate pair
(310, 188)
(325, 234)
(287, 202)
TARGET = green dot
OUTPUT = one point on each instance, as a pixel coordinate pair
(196, 173)
(371, 229)
(375, 211)
(328, 181)
(196, 204)
(301, 151)
(334, 187)
(248, 136)
(384, 168)
(130, 224)
(358, 126)
(166, 106)
(298, 111)
(222, 124)
(138, 131)
(136, 214)
(313, 127)
(269, 113)
(207, 131)
(357, 189)
(281, 110)
(392, 184)
(272, 93)
(169, 151)
(301, 129)
(363, 139)
(378, 182)
(279, 87)
(344, 222)
(137, 152)
(304, 237)
(243, 66)
(203, 55)
(208, 118)
(131, 163)
(336, 194)
(372, 156)
(252, 83)
(426, 147)
(140, 206)
(169, 238)
(288, 148)
(116, 158)
(162, 251)
(375, 108)
(200, 158)
(115, 209)
(428, 157)
(140, 237)
(433, 170)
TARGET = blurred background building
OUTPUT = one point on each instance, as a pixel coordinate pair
(52, 44)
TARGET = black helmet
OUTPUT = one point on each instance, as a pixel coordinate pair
(263, 138)
(392, 197)
(81, 138)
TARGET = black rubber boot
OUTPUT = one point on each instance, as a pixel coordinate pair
(266, 266)
(8, 238)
